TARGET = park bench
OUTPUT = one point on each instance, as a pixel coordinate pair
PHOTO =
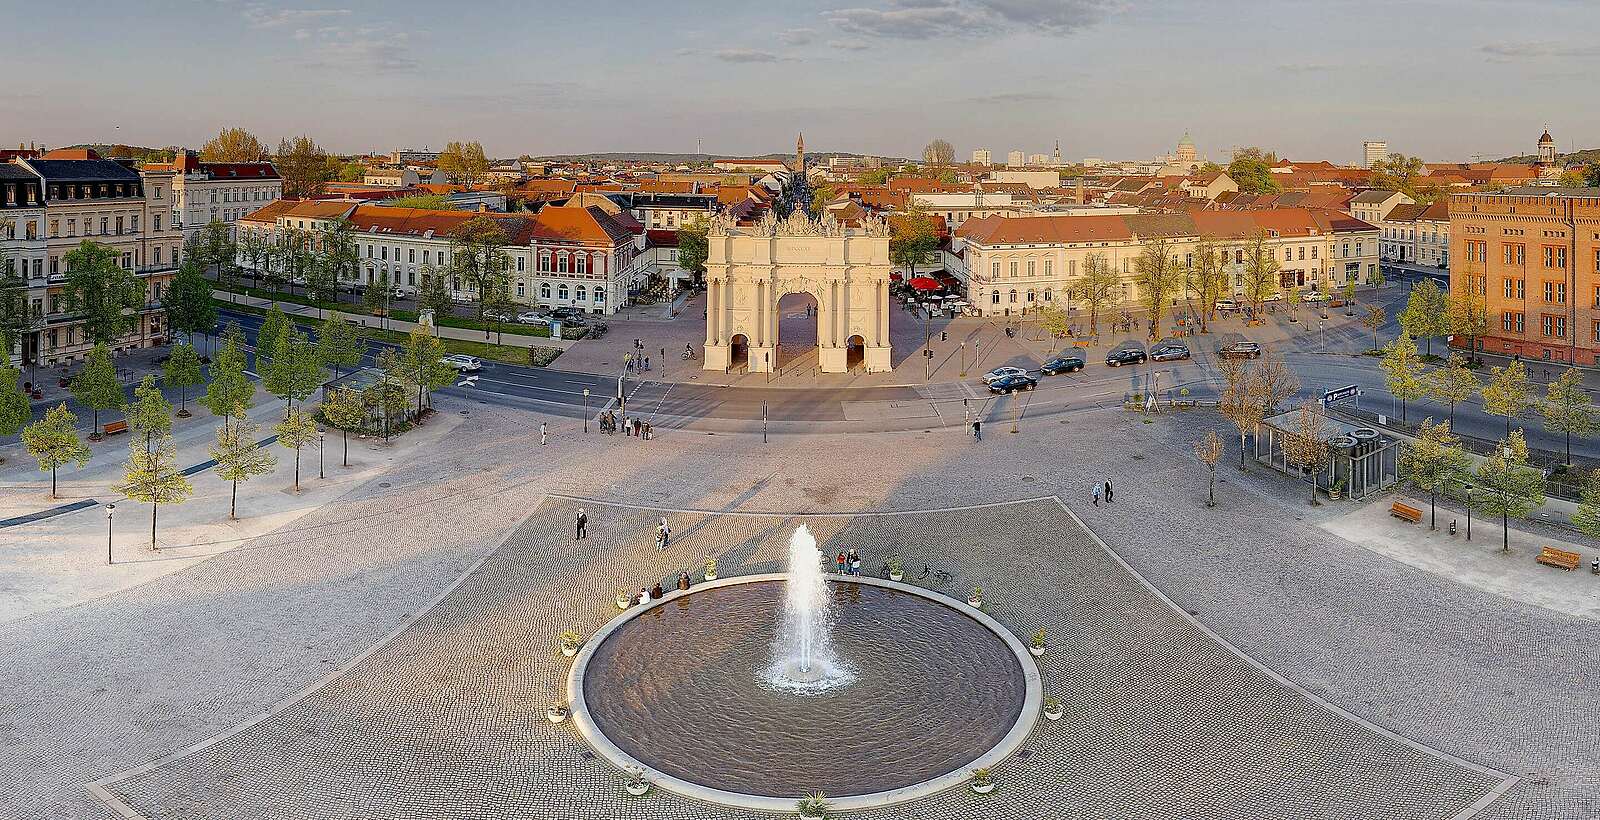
(1401, 509)
(115, 427)
(1559, 558)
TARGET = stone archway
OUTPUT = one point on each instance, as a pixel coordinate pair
(845, 269)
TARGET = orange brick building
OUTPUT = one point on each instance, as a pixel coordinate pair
(1534, 255)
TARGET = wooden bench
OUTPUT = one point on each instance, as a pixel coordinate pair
(1400, 509)
(115, 427)
(1560, 558)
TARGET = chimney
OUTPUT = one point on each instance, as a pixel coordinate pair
(1080, 191)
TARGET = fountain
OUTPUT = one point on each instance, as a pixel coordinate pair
(802, 651)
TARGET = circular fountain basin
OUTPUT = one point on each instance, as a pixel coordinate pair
(681, 688)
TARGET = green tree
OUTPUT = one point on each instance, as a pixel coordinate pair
(152, 476)
(14, 408)
(338, 255)
(150, 414)
(96, 385)
(188, 303)
(212, 246)
(271, 333)
(1467, 317)
(351, 172)
(1402, 370)
(1158, 276)
(183, 372)
(1426, 314)
(1206, 278)
(1567, 410)
(256, 250)
(105, 294)
(1506, 394)
(231, 391)
(375, 297)
(1451, 384)
(340, 345)
(1587, 517)
(1055, 321)
(303, 165)
(388, 395)
(344, 409)
(692, 248)
(296, 431)
(296, 371)
(1510, 487)
(419, 365)
(875, 177)
(53, 441)
(477, 255)
(1251, 169)
(1307, 445)
(1260, 270)
(913, 239)
(239, 457)
(1099, 280)
(821, 196)
(464, 163)
(16, 316)
(1373, 320)
(233, 145)
(435, 295)
(1350, 292)
(1433, 461)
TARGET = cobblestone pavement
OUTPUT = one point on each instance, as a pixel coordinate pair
(111, 684)
(447, 719)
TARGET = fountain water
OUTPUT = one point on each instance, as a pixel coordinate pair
(803, 658)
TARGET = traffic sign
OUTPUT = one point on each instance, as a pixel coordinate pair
(1342, 393)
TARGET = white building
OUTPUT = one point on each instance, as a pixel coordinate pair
(1374, 152)
(982, 156)
(204, 192)
(1015, 159)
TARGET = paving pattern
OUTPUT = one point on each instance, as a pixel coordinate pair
(447, 718)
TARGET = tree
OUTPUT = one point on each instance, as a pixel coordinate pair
(1350, 292)
(152, 476)
(1506, 394)
(231, 391)
(1374, 320)
(107, 295)
(1294, 300)
(1098, 281)
(1592, 176)
(1433, 461)
(96, 386)
(239, 457)
(388, 395)
(426, 202)
(16, 316)
(1426, 314)
(1467, 316)
(1055, 321)
(296, 431)
(1307, 446)
(1567, 410)
(1207, 278)
(1451, 384)
(1571, 178)
(183, 372)
(256, 251)
(477, 255)
(304, 167)
(188, 303)
(912, 240)
(1401, 173)
(375, 297)
(1158, 276)
(875, 177)
(1511, 487)
(435, 296)
(939, 152)
(1376, 278)
(821, 196)
(53, 441)
(1587, 517)
(419, 365)
(150, 414)
(272, 331)
(233, 145)
(1402, 370)
(340, 345)
(1275, 383)
(212, 245)
(296, 371)
(344, 409)
(692, 248)
(1251, 169)
(14, 408)
(1260, 270)
(1209, 450)
(464, 163)
(1241, 401)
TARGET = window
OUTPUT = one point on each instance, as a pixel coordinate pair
(544, 290)
(1555, 292)
(1303, 253)
(581, 265)
(599, 296)
(1554, 326)
(522, 263)
(561, 267)
(383, 253)
(155, 222)
(1030, 269)
(994, 270)
(1511, 322)
(119, 226)
(1013, 276)
(1047, 272)
(994, 298)
(544, 263)
(1031, 296)
(411, 254)
(1313, 251)
(582, 293)
(55, 227)
(1047, 294)
(521, 288)
(1013, 298)
(561, 292)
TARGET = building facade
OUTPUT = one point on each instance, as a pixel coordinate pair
(1533, 255)
(203, 192)
(982, 156)
(22, 239)
(1374, 152)
(1013, 265)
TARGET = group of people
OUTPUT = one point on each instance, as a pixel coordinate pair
(848, 562)
(1103, 490)
(629, 425)
(663, 535)
(648, 594)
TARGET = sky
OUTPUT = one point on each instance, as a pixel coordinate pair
(1118, 79)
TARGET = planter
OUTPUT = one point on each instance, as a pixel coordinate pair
(183, 414)
(975, 603)
(1036, 651)
(1053, 715)
(711, 576)
(1335, 494)
(623, 601)
(982, 788)
(637, 788)
(569, 651)
(895, 576)
(804, 816)
(556, 714)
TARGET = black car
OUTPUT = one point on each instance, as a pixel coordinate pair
(1241, 350)
(1170, 351)
(1064, 363)
(1131, 355)
(1011, 384)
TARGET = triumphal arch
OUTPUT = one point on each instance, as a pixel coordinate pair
(844, 267)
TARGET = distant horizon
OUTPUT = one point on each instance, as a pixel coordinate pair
(1119, 80)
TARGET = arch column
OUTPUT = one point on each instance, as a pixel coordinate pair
(719, 349)
(830, 344)
(877, 355)
(764, 349)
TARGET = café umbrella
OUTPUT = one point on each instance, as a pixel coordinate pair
(925, 283)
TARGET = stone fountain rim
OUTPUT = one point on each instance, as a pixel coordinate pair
(1013, 740)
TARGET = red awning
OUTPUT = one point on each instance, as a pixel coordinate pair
(925, 283)
(895, 277)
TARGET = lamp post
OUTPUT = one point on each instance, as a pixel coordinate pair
(763, 421)
(1469, 512)
(110, 510)
(321, 438)
(963, 358)
(585, 409)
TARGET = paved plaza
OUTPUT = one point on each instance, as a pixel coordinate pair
(289, 636)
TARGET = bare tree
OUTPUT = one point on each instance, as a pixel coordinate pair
(1276, 383)
(1209, 450)
(1241, 401)
(939, 152)
(1307, 446)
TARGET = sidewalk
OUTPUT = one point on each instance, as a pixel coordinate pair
(313, 315)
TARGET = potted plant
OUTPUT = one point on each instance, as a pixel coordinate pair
(896, 570)
(1336, 491)
(1037, 648)
(976, 599)
(711, 568)
(813, 806)
(982, 781)
(569, 642)
(556, 714)
(624, 599)
(636, 785)
(1052, 708)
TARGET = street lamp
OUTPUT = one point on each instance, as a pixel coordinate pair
(585, 409)
(963, 358)
(1469, 512)
(321, 436)
(763, 421)
(110, 509)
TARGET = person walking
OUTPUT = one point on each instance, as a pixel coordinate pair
(544, 434)
(583, 524)
(1109, 489)
(647, 363)
(977, 429)
(665, 532)
(1098, 488)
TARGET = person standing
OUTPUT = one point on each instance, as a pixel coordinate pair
(855, 561)
(977, 429)
(663, 533)
(1098, 488)
(1109, 489)
(583, 524)
(840, 562)
(544, 434)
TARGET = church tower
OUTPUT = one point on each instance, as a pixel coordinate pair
(1547, 148)
(1057, 156)
(800, 155)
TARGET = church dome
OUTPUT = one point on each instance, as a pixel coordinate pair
(1546, 139)
(1188, 141)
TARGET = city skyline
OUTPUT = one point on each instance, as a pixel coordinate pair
(361, 76)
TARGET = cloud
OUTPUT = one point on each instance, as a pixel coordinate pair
(260, 16)
(1531, 50)
(374, 49)
(1014, 98)
(745, 55)
(1304, 68)
(797, 36)
(850, 45)
(929, 19)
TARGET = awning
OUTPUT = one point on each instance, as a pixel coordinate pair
(925, 283)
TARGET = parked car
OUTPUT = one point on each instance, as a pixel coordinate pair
(1013, 383)
(1240, 350)
(404, 292)
(1063, 363)
(1127, 355)
(1002, 372)
(1169, 351)
(533, 317)
(1227, 304)
(497, 315)
(462, 362)
(1276, 297)
(1314, 296)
